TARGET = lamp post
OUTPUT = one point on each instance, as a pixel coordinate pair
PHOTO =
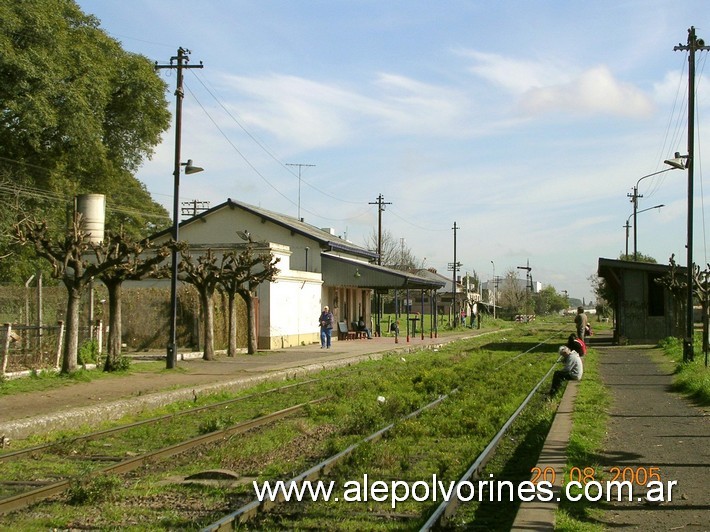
(172, 340)
(694, 44)
(627, 227)
(181, 63)
(494, 289)
(635, 200)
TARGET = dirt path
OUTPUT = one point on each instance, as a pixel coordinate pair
(652, 427)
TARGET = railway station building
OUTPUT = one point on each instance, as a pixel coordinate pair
(316, 268)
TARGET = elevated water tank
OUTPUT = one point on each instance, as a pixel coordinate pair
(92, 208)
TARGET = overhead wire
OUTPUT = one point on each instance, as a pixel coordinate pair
(52, 196)
(263, 146)
(254, 168)
(674, 129)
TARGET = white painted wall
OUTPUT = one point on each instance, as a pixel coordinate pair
(289, 308)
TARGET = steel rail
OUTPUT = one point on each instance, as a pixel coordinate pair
(250, 510)
(447, 508)
(117, 430)
(22, 500)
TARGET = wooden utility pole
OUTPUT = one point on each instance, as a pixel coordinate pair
(454, 266)
(380, 208)
(693, 44)
(180, 63)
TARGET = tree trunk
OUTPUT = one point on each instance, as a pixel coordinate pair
(232, 345)
(114, 330)
(208, 323)
(71, 345)
(706, 318)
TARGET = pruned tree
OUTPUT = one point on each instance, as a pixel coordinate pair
(204, 273)
(137, 261)
(677, 286)
(701, 288)
(242, 273)
(69, 263)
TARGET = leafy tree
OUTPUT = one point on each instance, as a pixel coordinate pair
(79, 114)
(241, 274)
(640, 257)
(548, 301)
(136, 262)
(67, 258)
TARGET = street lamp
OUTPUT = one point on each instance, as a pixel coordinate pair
(627, 227)
(682, 162)
(635, 198)
(172, 341)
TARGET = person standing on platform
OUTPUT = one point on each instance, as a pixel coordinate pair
(580, 321)
(326, 322)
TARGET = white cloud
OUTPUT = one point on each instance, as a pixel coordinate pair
(309, 114)
(515, 75)
(594, 91)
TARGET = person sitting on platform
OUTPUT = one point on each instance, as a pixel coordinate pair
(571, 372)
(361, 326)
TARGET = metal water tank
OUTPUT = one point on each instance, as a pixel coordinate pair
(92, 207)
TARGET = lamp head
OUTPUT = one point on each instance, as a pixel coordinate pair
(190, 168)
(677, 161)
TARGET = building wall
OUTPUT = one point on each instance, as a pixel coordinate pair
(637, 324)
(289, 308)
(221, 226)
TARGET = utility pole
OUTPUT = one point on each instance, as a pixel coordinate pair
(455, 267)
(528, 283)
(180, 63)
(300, 165)
(380, 208)
(693, 44)
(191, 208)
(495, 286)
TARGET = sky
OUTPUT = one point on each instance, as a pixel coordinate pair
(524, 123)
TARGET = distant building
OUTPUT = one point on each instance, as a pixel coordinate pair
(644, 310)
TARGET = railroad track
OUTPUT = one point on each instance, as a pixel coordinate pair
(97, 435)
(332, 425)
(252, 510)
(23, 500)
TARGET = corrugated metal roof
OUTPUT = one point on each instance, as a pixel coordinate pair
(380, 276)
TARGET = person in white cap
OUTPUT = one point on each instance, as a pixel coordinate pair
(326, 322)
(572, 370)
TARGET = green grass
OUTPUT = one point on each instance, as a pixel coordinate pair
(692, 379)
(586, 439)
(442, 441)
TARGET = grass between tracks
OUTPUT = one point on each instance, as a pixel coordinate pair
(443, 441)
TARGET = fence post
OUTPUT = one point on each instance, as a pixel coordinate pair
(99, 335)
(60, 343)
(6, 348)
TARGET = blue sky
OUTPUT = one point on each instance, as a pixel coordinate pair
(525, 122)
